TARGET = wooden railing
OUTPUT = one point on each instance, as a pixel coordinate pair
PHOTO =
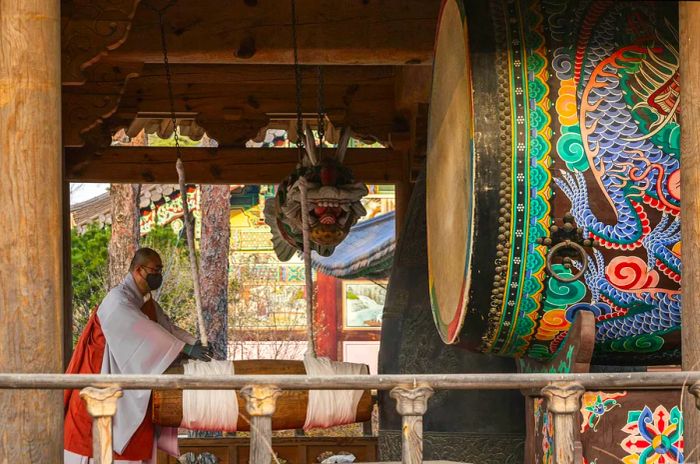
(562, 393)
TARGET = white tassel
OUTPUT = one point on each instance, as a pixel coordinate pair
(212, 410)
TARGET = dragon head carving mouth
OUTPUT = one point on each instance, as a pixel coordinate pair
(333, 201)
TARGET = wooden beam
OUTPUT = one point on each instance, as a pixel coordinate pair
(156, 165)
(31, 303)
(233, 98)
(689, 20)
(89, 31)
(393, 32)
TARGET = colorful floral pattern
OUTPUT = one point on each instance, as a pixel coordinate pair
(547, 430)
(654, 437)
(594, 405)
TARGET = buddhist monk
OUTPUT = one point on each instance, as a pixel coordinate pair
(128, 334)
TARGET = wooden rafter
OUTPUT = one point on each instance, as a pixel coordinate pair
(218, 165)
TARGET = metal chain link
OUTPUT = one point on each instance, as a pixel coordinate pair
(169, 81)
(187, 216)
(297, 78)
(321, 111)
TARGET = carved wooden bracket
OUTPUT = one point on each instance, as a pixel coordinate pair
(232, 132)
(86, 107)
(93, 29)
(695, 391)
(101, 404)
(412, 403)
(564, 401)
(260, 400)
(260, 403)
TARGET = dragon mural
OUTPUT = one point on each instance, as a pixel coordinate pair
(587, 129)
(623, 180)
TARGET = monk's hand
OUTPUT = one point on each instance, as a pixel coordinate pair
(197, 351)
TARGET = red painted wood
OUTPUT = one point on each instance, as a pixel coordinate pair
(327, 315)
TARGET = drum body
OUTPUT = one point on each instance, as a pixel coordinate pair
(549, 117)
(290, 412)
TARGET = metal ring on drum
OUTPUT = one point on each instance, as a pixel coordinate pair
(579, 250)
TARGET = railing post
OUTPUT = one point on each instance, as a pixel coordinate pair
(412, 403)
(695, 391)
(101, 404)
(563, 401)
(260, 402)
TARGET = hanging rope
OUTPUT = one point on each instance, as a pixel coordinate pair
(308, 276)
(179, 166)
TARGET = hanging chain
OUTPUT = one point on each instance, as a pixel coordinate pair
(168, 74)
(187, 217)
(321, 112)
(297, 79)
(169, 81)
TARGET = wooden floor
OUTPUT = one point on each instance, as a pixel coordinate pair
(295, 450)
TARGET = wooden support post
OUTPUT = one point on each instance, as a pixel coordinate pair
(31, 303)
(67, 279)
(563, 401)
(695, 391)
(689, 38)
(412, 403)
(101, 404)
(260, 403)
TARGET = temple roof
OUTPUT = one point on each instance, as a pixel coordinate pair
(368, 251)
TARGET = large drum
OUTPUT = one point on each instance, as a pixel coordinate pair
(553, 177)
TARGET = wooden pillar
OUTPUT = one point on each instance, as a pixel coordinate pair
(689, 16)
(101, 404)
(411, 403)
(563, 401)
(67, 279)
(31, 304)
(260, 403)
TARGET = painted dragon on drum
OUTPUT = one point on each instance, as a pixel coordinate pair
(587, 126)
(627, 95)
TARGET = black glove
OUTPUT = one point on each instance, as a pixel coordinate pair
(199, 352)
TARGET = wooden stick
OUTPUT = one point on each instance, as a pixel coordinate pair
(563, 401)
(194, 265)
(260, 404)
(308, 275)
(412, 403)
(101, 405)
(627, 380)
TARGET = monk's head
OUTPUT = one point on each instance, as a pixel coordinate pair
(147, 269)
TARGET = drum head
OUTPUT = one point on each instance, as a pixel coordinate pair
(449, 175)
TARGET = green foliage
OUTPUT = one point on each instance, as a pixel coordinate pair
(155, 141)
(176, 295)
(89, 267)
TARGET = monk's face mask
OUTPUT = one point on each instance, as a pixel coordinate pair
(154, 280)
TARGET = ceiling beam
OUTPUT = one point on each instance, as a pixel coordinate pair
(359, 96)
(156, 165)
(394, 32)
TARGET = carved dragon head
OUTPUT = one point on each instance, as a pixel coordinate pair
(333, 200)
